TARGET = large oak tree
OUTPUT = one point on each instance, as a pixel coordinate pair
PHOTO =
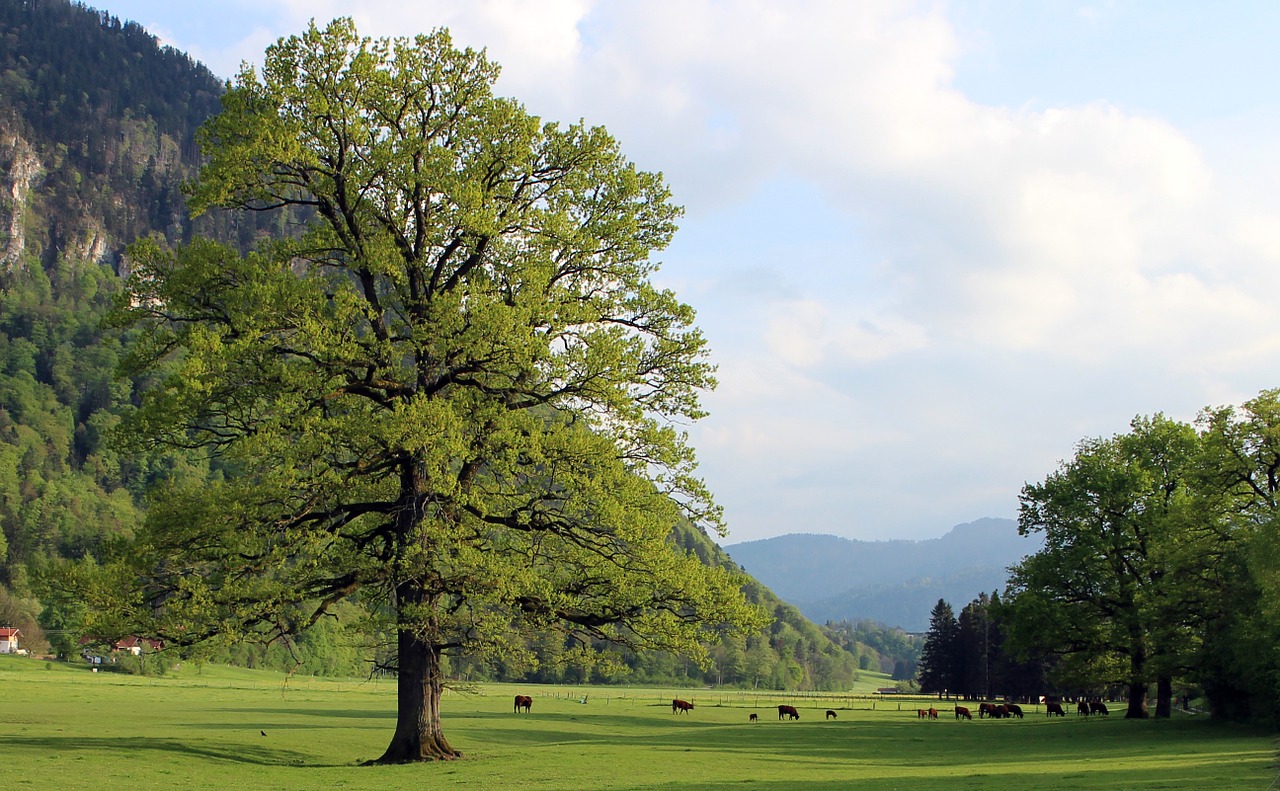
(456, 396)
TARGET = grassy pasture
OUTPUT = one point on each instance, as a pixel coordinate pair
(64, 727)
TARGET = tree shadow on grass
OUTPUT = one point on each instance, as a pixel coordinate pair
(141, 746)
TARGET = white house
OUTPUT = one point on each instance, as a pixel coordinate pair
(9, 640)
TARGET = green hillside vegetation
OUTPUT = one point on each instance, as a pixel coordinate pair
(106, 119)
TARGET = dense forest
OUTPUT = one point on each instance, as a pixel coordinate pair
(97, 131)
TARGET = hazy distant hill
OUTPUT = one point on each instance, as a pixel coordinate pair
(894, 582)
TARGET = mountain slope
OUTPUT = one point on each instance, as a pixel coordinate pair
(894, 582)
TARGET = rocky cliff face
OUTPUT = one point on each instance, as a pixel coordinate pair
(20, 171)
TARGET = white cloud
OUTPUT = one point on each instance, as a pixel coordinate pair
(811, 332)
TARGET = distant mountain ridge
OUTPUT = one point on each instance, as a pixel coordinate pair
(895, 582)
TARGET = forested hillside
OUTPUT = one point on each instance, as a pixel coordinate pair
(97, 128)
(96, 136)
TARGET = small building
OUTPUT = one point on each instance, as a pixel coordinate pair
(137, 645)
(9, 639)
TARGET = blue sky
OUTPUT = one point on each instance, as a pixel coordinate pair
(933, 245)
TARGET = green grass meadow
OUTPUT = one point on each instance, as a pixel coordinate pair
(67, 728)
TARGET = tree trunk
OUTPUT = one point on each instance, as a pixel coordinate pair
(1164, 697)
(1137, 701)
(1137, 674)
(419, 677)
(1137, 684)
(419, 682)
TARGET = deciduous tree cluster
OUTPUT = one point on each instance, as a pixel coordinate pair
(1159, 565)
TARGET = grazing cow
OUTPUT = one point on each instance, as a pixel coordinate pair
(933, 714)
(1082, 708)
(986, 710)
(831, 715)
(788, 712)
(922, 713)
(961, 711)
(523, 702)
(754, 717)
(1096, 707)
(682, 706)
(1014, 710)
(1051, 709)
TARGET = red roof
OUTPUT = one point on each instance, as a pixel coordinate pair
(138, 642)
(6, 632)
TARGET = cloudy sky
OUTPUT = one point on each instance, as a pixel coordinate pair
(933, 245)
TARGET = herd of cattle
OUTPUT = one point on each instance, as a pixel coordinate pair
(995, 711)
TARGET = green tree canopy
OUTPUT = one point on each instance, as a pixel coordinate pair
(1110, 585)
(456, 396)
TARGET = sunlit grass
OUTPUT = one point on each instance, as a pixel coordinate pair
(69, 728)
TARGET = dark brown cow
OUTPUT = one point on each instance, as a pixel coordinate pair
(788, 712)
(1082, 708)
(986, 710)
(933, 714)
(754, 717)
(922, 713)
(1051, 709)
(523, 702)
(961, 711)
(1097, 708)
(682, 706)
(1014, 710)
(831, 715)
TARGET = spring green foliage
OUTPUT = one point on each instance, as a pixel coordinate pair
(454, 397)
(1157, 566)
(886, 649)
(113, 146)
(65, 492)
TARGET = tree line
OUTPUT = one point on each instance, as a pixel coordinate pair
(970, 656)
(1158, 577)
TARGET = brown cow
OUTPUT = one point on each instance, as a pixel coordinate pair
(682, 706)
(1095, 707)
(986, 710)
(933, 714)
(1082, 708)
(523, 702)
(831, 715)
(789, 712)
(961, 711)
(1051, 709)
(1014, 710)
(754, 717)
(922, 713)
